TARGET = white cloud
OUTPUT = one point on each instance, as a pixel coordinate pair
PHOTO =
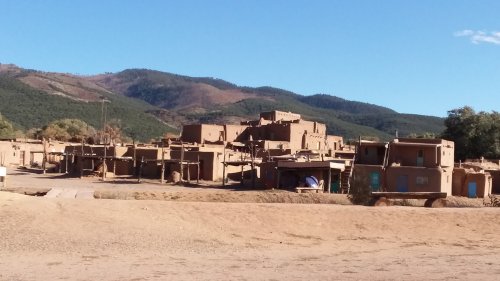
(477, 37)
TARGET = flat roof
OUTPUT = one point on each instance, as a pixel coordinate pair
(311, 165)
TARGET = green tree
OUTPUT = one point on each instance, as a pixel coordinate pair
(475, 134)
(74, 130)
(7, 131)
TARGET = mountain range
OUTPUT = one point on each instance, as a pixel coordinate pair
(149, 103)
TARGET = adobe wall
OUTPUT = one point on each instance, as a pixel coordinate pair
(268, 175)
(314, 141)
(297, 131)
(407, 155)
(483, 184)
(447, 155)
(148, 153)
(275, 145)
(208, 166)
(232, 132)
(334, 142)
(459, 176)
(495, 176)
(273, 132)
(371, 155)
(279, 115)
(191, 133)
(201, 132)
(18, 153)
(362, 176)
(420, 179)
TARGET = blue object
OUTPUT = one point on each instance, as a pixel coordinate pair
(402, 183)
(312, 181)
(375, 181)
(471, 190)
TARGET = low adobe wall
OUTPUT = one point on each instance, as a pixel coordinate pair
(419, 179)
(483, 184)
(459, 176)
(362, 175)
(495, 181)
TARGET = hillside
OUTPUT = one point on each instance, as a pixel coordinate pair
(150, 103)
(217, 101)
(29, 107)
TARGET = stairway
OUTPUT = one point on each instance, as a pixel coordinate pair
(345, 180)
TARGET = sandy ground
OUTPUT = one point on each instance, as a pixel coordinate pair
(70, 239)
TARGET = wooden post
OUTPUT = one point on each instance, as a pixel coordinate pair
(188, 173)
(134, 164)
(44, 158)
(253, 174)
(198, 170)
(104, 165)
(329, 180)
(252, 155)
(278, 174)
(182, 161)
(66, 160)
(140, 169)
(114, 166)
(92, 154)
(162, 176)
(81, 161)
(59, 164)
(224, 168)
(242, 168)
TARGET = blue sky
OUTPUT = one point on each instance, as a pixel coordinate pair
(422, 57)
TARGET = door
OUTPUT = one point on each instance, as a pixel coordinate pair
(375, 181)
(471, 189)
(21, 157)
(402, 183)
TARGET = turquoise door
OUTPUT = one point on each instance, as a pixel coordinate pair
(375, 181)
(402, 183)
(471, 190)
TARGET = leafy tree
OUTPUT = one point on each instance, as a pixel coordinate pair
(475, 134)
(426, 135)
(74, 130)
(114, 132)
(7, 131)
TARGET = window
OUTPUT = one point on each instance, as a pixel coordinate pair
(421, 180)
(420, 158)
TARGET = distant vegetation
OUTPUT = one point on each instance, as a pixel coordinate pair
(7, 131)
(147, 104)
(30, 108)
(72, 130)
(476, 134)
(343, 117)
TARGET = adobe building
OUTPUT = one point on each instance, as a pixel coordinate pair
(201, 133)
(405, 165)
(370, 164)
(471, 183)
(274, 134)
(420, 165)
(213, 152)
(274, 130)
(28, 153)
(476, 178)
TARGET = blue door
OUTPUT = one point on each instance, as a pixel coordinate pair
(375, 181)
(402, 183)
(471, 189)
